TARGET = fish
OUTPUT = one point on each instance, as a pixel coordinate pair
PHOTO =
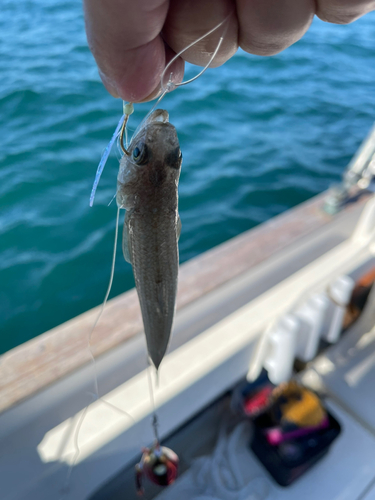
(147, 187)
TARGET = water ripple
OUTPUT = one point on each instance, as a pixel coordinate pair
(258, 135)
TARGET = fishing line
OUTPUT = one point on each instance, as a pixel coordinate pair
(187, 48)
(113, 197)
(95, 395)
(65, 488)
(104, 302)
(165, 89)
(120, 132)
(128, 108)
(155, 420)
(170, 85)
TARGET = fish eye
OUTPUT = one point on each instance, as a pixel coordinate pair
(141, 154)
(174, 158)
(136, 153)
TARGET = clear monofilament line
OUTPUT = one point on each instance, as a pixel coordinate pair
(157, 102)
(95, 396)
(104, 303)
(65, 487)
(155, 421)
(122, 133)
(151, 110)
(170, 84)
(166, 89)
(113, 197)
(196, 76)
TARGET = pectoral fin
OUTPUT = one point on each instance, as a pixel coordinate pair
(127, 243)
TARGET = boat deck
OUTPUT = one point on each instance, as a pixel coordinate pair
(345, 473)
(343, 374)
(227, 297)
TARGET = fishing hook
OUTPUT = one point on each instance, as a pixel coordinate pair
(122, 132)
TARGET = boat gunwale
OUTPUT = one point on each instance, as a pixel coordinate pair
(42, 361)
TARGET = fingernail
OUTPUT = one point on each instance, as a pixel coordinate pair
(154, 94)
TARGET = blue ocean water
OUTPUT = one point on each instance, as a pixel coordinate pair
(258, 135)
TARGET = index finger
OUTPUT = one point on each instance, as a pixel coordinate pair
(124, 37)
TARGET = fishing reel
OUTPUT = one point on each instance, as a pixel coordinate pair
(159, 464)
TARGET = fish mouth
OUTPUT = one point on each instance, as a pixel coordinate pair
(158, 115)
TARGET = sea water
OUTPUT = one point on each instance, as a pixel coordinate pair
(258, 135)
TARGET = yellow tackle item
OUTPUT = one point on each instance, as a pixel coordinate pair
(298, 405)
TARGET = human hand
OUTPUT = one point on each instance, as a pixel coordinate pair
(133, 40)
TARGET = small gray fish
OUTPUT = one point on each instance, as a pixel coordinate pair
(147, 187)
